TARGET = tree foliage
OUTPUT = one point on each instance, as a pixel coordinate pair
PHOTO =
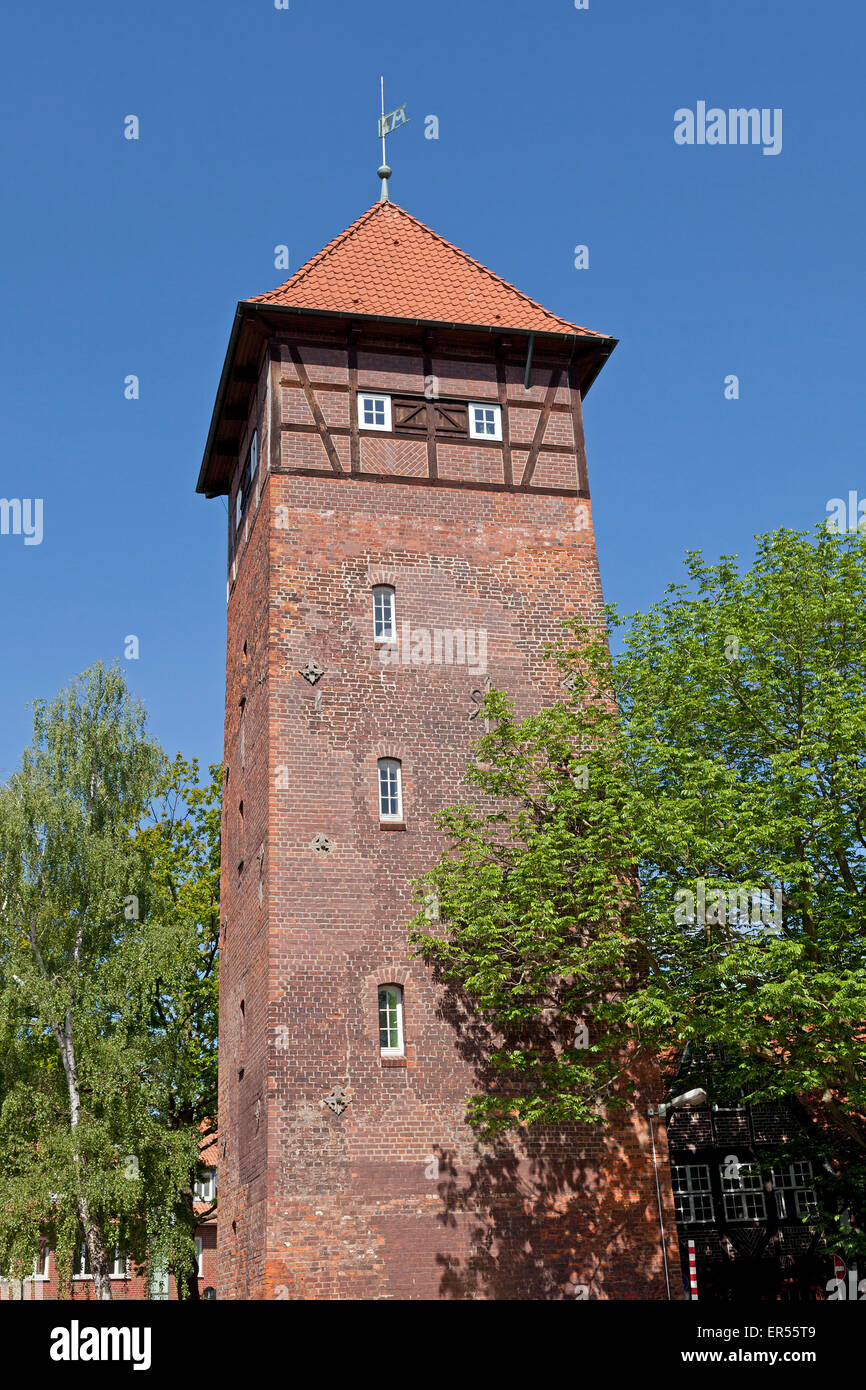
(106, 1017)
(179, 999)
(710, 855)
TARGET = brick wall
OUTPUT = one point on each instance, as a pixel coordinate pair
(394, 1197)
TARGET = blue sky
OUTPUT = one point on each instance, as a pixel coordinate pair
(556, 128)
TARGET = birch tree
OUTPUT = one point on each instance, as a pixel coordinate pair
(74, 1123)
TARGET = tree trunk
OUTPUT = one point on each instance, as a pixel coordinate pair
(96, 1253)
(92, 1237)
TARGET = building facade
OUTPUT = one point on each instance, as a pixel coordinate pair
(399, 435)
(743, 1209)
(129, 1281)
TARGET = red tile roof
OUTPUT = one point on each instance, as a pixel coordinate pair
(388, 263)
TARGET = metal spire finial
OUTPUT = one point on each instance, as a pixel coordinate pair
(387, 123)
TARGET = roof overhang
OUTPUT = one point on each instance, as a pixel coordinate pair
(254, 323)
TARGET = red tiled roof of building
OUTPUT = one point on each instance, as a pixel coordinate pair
(388, 263)
(208, 1149)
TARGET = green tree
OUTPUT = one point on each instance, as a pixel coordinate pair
(731, 786)
(89, 1150)
(180, 990)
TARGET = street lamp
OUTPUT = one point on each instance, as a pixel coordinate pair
(696, 1097)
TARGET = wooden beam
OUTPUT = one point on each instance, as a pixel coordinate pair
(502, 383)
(537, 439)
(275, 442)
(315, 410)
(519, 402)
(427, 368)
(408, 480)
(317, 385)
(344, 432)
(388, 346)
(354, 432)
(577, 427)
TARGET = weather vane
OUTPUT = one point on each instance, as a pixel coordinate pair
(387, 123)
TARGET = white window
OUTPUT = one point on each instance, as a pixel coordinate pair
(390, 790)
(118, 1265)
(743, 1192)
(374, 412)
(793, 1185)
(254, 455)
(205, 1189)
(384, 625)
(198, 1249)
(40, 1264)
(692, 1193)
(391, 1021)
(485, 421)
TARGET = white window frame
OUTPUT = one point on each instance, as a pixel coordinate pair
(796, 1187)
(205, 1189)
(118, 1266)
(689, 1193)
(254, 458)
(383, 591)
(199, 1247)
(374, 396)
(46, 1270)
(474, 431)
(390, 764)
(400, 1049)
(743, 1191)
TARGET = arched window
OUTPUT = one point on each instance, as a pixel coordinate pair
(384, 620)
(391, 1021)
(390, 790)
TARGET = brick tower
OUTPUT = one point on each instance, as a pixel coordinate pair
(399, 435)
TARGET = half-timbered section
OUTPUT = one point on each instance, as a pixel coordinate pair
(399, 435)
